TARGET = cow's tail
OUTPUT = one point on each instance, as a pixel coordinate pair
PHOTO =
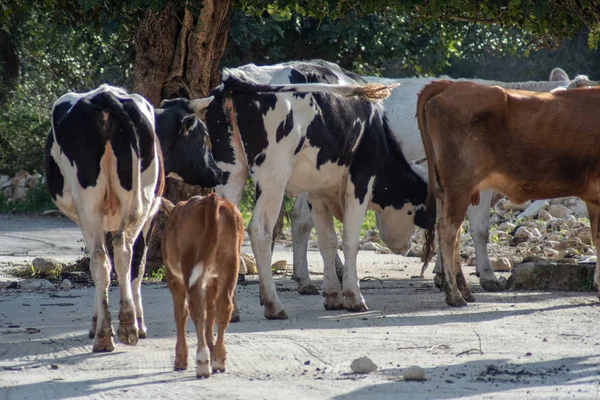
(116, 121)
(114, 117)
(427, 94)
(233, 80)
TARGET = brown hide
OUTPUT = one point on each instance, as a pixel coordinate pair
(201, 248)
(526, 145)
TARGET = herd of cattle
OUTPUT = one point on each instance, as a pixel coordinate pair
(321, 134)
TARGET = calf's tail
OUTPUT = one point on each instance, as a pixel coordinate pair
(428, 92)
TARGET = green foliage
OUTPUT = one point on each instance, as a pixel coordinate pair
(401, 46)
(54, 60)
(38, 199)
(159, 275)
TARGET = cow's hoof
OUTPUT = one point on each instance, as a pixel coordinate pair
(360, 307)
(202, 370)
(308, 290)
(333, 306)
(103, 343)
(272, 313)
(181, 363)
(143, 331)
(235, 316)
(333, 301)
(456, 301)
(354, 303)
(129, 335)
(469, 298)
(218, 365)
(437, 281)
(493, 286)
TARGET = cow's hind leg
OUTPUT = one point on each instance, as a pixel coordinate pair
(138, 268)
(463, 287)
(454, 209)
(261, 231)
(479, 227)
(128, 326)
(354, 214)
(197, 300)
(327, 238)
(594, 214)
(93, 236)
(302, 224)
(224, 308)
(178, 291)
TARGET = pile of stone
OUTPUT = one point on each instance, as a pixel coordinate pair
(17, 187)
(541, 230)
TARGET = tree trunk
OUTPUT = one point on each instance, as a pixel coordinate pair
(177, 55)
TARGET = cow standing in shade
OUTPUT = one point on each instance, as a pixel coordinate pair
(313, 138)
(104, 170)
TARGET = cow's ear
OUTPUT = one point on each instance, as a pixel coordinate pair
(558, 74)
(188, 123)
(200, 104)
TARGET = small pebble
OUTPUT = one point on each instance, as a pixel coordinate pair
(363, 365)
(66, 284)
(414, 373)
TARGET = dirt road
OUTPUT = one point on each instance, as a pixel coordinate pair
(506, 345)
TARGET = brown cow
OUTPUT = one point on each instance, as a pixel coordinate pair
(524, 144)
(201, 248)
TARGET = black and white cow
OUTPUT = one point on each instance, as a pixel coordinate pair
(313, 138)
(104, 170)
(399, 107)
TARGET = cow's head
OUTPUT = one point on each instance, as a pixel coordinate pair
(399, 194)
(183, 138)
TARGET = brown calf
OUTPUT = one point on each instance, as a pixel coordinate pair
(526, 145)
(201, 247)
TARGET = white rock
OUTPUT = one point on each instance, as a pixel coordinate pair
(551, 253)
(524, 232)
(21, 193)
(4, 179)
(571, 221)
(66, 284)
(506, 226)
(35, 284)
(590, 259)
(413, 373)
(384, 250)
(46, 265)
(534, 209)
(502, 264)
(313, 244)
(577, 206)
(523, 245)
(363, 365)
(559, 211)
(370, 246)
(544, 215)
